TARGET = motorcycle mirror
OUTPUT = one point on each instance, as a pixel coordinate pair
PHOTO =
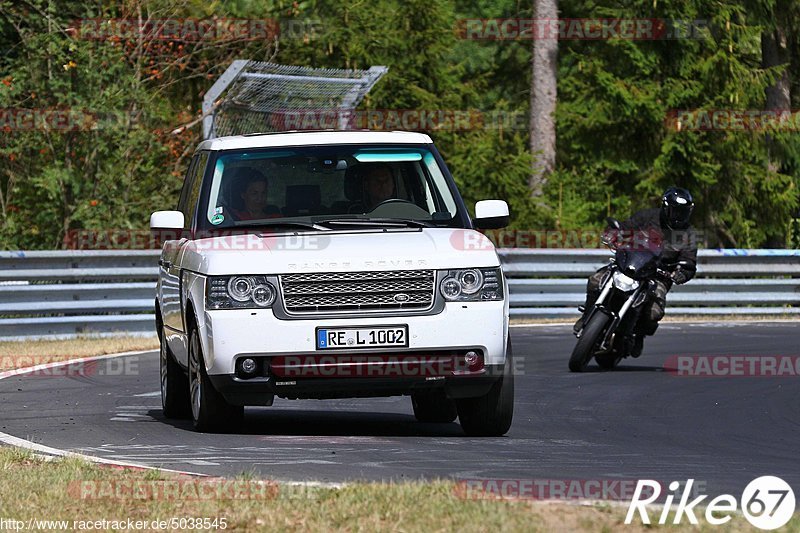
(613, 223)
(608, 240)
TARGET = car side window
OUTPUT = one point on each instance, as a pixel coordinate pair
(187, 185)
(197, 183)
(191, 188)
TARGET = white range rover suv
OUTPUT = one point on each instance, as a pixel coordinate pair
(330, 265)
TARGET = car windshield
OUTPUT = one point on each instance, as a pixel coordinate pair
(334, 186)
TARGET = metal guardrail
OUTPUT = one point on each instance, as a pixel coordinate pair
(547, 283)
(63, 294)
(68, 293)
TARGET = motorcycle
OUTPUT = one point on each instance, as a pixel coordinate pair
(608, 333)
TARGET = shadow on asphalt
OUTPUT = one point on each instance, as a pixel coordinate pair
(626, 368)
(264, 421)
(594, 369)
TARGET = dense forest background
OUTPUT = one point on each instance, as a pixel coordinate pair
(617, 143)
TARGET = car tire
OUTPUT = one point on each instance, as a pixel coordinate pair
(174, 384)
(490, 415)
(210, 412)
(433, 406)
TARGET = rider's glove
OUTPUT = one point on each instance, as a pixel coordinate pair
(613, 237)
(679, 276)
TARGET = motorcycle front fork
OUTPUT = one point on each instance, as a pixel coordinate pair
(624, 338)
(619, 329)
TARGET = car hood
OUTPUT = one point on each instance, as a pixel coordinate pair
(340, 251)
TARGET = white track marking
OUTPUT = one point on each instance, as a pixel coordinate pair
(48, 452)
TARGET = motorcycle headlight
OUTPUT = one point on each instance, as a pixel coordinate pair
(239, 292)
(472, 285)
(624, 283)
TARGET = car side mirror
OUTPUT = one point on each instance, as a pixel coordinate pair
(166, 220)
(491, 214)
(166, 226)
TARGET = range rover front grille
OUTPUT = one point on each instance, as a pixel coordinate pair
(327, 292)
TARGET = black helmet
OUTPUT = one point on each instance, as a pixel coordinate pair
(676, 208)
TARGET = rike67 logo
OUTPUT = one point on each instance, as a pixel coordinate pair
(767, 503)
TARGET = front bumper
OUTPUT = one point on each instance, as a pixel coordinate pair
(230, 335)
(261, 392)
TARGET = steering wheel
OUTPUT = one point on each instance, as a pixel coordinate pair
(392, 201)
(399, 208)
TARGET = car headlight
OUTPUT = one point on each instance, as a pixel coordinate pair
(624, 283)
(239, 292)
(472, 285)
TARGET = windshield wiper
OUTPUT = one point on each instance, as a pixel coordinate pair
(279, 224)
(391, 222)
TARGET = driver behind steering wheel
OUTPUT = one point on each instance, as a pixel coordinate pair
(378, 185)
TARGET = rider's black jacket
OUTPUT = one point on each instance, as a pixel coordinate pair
(678, 245)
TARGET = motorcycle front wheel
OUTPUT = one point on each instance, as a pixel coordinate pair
(587, 344)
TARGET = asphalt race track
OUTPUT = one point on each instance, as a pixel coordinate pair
(633, 423)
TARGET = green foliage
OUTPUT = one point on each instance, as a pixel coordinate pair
(431, 69)
(617, 146)
(616, 98)
(101, 155)
(90, 169)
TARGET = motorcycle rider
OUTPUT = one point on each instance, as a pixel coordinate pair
(668, 224)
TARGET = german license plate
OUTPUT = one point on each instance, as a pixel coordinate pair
(362, 337)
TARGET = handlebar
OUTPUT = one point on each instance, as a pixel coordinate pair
(663, 273)
(609, 243)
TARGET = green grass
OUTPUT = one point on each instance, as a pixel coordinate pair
(33, 488)
(28, 353)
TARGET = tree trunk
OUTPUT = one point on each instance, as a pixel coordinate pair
(775, 51)
(544, 66)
